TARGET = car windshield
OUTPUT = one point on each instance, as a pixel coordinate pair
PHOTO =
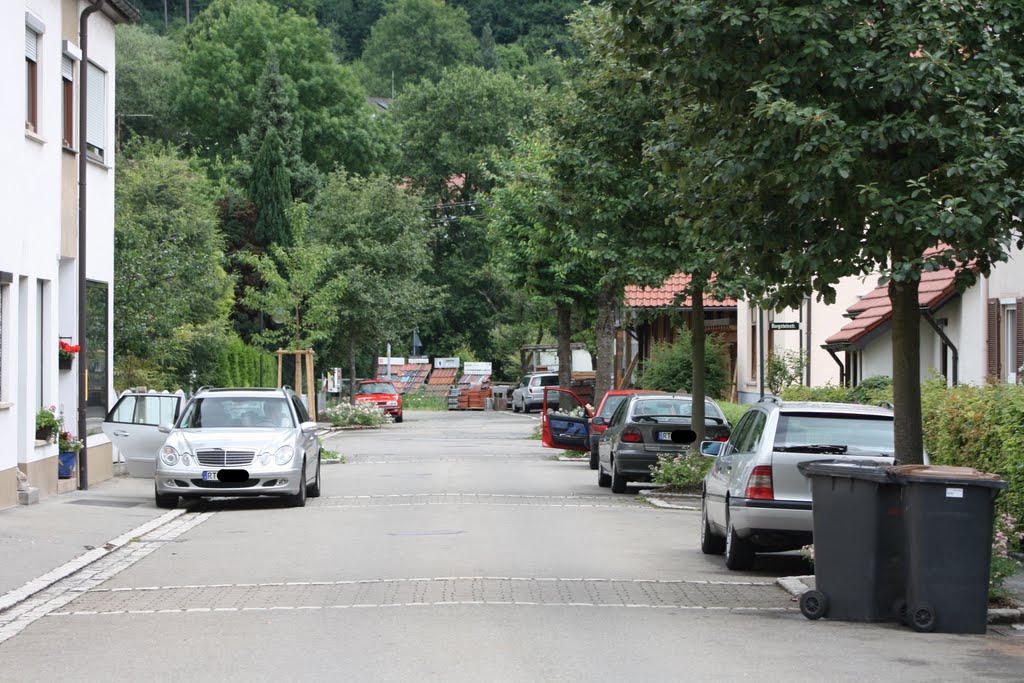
(674, 408)
(376, 388)
(610, 404)
(835, 434)
(237, 412)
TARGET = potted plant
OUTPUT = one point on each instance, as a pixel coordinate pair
(68, 445)
(66, 354)
(48, 423)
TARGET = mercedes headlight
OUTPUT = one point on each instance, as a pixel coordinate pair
(284, 455)
(169, 456)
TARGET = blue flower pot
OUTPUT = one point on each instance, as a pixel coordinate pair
(66, 464)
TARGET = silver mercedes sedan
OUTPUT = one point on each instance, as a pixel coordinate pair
(240, 442)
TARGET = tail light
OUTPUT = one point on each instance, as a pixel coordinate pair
(720, 438)
(760, 483)
(632, 436)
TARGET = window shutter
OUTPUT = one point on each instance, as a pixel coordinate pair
(1020, 339)
(97, 124)
(993, 339)
(67, 68)
(31, 44)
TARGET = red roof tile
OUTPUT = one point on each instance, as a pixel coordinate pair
(875, 309)
(665, 296)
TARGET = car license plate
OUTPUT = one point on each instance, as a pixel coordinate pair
(664, 436)
(210, 475)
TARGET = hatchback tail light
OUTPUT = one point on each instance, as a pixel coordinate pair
(760, 483)
(632, 436)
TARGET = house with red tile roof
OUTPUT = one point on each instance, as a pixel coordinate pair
(969, 337)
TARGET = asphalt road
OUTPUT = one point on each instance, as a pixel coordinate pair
(451, 547)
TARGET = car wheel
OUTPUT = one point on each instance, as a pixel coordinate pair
(399, 417)
(526, 406)
(618, 479)
(709, 543)
(167, 501)
(298, 500)
(604, 480)
(594, 458)
(314, 489)
(739, 553)
(515, 406)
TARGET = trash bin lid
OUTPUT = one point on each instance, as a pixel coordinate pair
(935, 474)
(848, 468)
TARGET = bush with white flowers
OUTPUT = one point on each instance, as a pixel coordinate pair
(366, 414)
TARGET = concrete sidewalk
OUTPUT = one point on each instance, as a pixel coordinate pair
(36, 539)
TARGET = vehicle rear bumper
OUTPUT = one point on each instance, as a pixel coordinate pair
(636, 464)
(787, 524)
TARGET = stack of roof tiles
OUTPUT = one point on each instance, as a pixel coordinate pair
(472, 397)
(440, 381)
(406, 378)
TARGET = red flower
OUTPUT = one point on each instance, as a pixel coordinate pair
(68, 348)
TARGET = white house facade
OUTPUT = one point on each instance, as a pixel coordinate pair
(41, 68)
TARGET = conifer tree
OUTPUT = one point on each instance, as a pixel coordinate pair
(270, 192)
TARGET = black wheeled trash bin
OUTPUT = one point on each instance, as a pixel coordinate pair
(858, 542)
(949, 513)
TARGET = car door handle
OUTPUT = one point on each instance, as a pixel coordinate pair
(121, 433)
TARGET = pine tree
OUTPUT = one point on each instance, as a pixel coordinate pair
(270, 191)
(273, 111)
(486, 57)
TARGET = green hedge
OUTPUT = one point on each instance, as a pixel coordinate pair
(965, 426)
(239, 365)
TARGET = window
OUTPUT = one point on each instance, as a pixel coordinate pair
(67, 70)
(97, 327)
(1005, 339)
(96, 124)
(31, 80)
(41, 291)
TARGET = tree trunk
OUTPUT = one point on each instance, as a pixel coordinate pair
(906, 371)
(564, 340)
(352, 370)
(605, 334)
(697, 342)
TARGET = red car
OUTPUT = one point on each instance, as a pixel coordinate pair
(608, 404)
(382, 393)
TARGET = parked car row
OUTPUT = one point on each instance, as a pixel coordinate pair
(753, 499)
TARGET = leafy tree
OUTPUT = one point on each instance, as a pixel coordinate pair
(149, 76)
(416, 40)
(270, 190)
(226, 49)
(671, 368)
(168, 264)
(380, 245)
(454, 129)
(350, 21)
(513, 19)
(847, 138)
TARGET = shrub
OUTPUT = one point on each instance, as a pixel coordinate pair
(784, 370)
(733, 411)
(1003, 565)
(420, 401)
(347, 414)
(685, 471)
(671, 367)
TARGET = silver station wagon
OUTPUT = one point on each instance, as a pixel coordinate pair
(240, 442)
(754, 498)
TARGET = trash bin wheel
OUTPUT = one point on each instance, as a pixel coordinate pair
(899, 609)
(813, 604)
(922, 618)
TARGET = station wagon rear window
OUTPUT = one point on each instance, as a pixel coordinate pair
(841, 433)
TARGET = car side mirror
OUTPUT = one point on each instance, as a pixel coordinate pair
(598, 420)
(711, 449)
(165, 428)
(308, 427)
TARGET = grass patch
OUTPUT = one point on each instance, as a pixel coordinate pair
(417, 400)
(328, 454)
(536, 435)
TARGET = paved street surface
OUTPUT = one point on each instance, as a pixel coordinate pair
(452, 547)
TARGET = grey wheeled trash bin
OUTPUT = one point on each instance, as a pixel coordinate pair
(949, 513)
(859, 566)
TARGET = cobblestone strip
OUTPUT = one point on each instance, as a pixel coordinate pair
(577, 592)
(148, 538)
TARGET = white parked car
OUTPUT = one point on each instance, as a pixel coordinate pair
(754, 498)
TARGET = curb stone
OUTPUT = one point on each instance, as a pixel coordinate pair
(796, 586)
(659, 503)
